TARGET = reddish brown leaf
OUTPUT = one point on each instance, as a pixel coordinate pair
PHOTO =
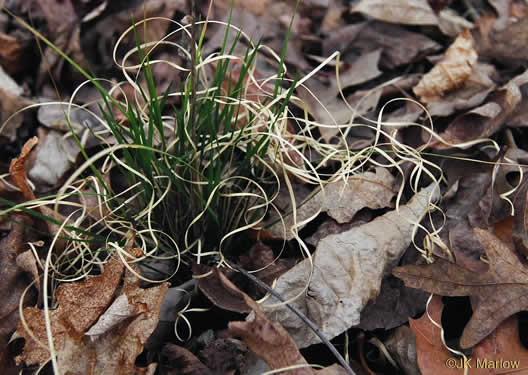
(10, 53)
(211, 282)
(504, 346)
(116, 350)
(431, 352)
(268, 339)
(502, 290)
(17, 169)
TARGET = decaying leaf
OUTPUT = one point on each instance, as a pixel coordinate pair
(408, 12)
(362, 70)
(225, 356)
(80, 305)
(502, 290)
(341, 201)
(347, 271)
(260, 258)
(451, 72)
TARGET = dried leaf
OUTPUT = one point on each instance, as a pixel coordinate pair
(504, 346)
(520, 220)
(11, 101)
(431, 352)
(118, 311)
(261, 259)
(14, 281)
(183, 362)
(394, 304)
(219, 292)
(408, 12)
(80, 304)
(61, 116)
(341, 200)
(484, 121)
(502, 288)
(53, 157)
(506, 45)
(451, 72)
(402, 346)
(267, 339)
(361, 70)
(225, 355)
(17, 169)
(399, 46)
(347, 271)
(11, 53)
(470, 94)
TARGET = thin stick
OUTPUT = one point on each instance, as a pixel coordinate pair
(301, 316)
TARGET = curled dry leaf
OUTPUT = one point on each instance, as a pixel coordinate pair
(341, 201)
(80, 304)
(408, 12)
(470, 94)
(347, 271)
(451, 72)
(502, 289)
(17, 169)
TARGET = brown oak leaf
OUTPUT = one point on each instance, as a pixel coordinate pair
(496, 294)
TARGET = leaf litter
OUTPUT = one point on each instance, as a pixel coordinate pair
(463, 61)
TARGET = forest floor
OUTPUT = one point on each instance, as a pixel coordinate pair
(374, 179)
